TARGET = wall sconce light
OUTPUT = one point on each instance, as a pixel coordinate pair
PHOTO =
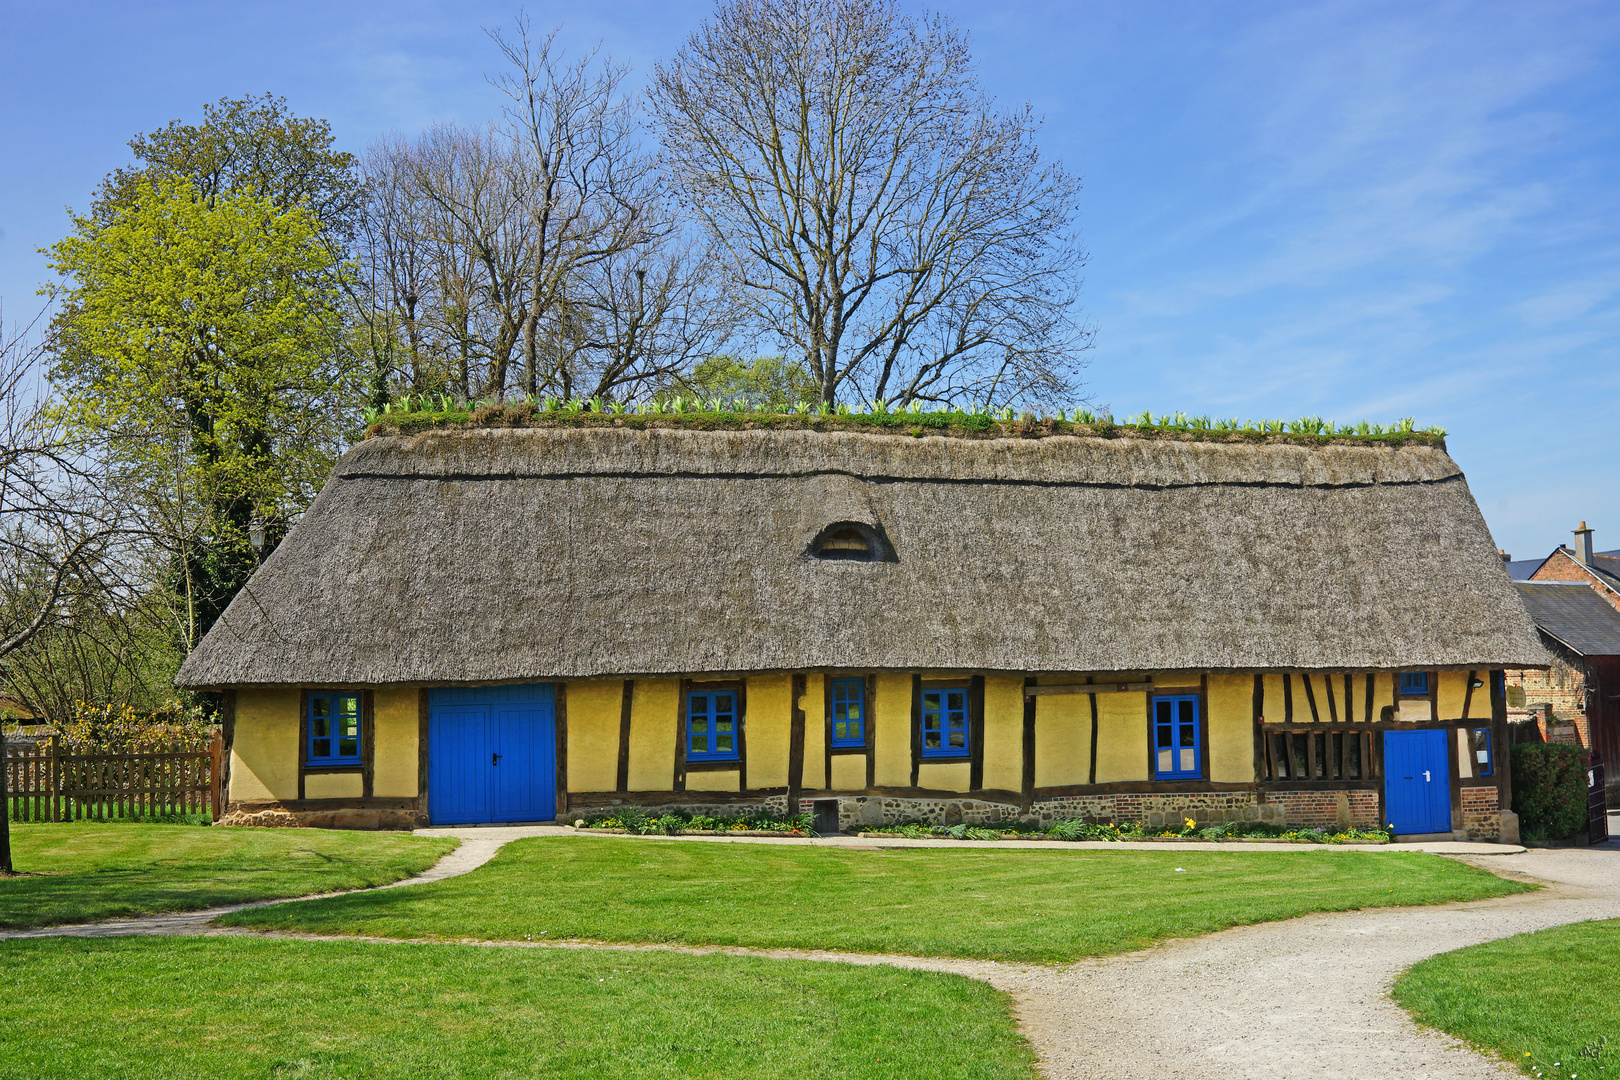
(256, 535)
(1476, 683)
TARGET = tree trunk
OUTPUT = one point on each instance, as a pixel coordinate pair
(5, 809)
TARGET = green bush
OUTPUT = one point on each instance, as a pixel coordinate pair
(1549, 790)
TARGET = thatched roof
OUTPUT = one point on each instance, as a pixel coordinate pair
(528, 554)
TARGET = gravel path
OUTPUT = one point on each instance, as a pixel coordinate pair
(1306, 997)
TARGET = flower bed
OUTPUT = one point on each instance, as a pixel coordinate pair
(1074, 830)
(633, 821)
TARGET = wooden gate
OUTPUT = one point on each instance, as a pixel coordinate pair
(1597, 803)
(45, 782)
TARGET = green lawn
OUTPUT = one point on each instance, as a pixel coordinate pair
(154, 1009)
(1535, 999)
(82, 872)
(1008, 905)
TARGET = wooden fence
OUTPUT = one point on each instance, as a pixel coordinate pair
(47, 782)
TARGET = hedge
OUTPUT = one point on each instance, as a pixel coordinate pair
(1549, 789)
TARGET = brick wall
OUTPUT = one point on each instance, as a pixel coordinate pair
(1564, 688)
(1481, 813)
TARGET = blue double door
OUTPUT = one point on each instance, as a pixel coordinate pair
(1417, 781)
(492, 754)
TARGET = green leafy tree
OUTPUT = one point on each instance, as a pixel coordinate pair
(768, 383)
(200, 355)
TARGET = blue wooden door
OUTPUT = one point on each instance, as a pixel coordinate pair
(492, 754)
(1417, 781)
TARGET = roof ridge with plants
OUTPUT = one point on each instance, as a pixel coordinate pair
(413, 413)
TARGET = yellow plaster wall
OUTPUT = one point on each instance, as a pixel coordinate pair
(713, 781)
(892, 730)
(1004, 732)
(849, 772)
(1274, 712)
(347, 785)
(770, 725)
(1383, 692)
(1231, 729)
(264, 749)
(654, 714)
(943, 776)
(1453, 688)
(1063, 739)
(594, 711)
(814, 705)
(1122, 738)
(395, 755)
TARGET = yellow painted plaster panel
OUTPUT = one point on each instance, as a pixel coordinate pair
(595, 708)
(395, 757)
(1062, 740)
(1272, 707)
(1453, 688)
(1383, 692)
(849, 772)
(1122, 737)
(814, 705)
(1004, 732)
(1329, 696)
(264, 750)
(713, 781)
(770, 724)
(938, 776)
(1231, 729)
(892, 730)
(654, 714)
(343, 785)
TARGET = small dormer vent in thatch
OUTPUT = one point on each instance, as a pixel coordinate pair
(850, 541)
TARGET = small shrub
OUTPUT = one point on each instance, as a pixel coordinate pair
(1549, 789)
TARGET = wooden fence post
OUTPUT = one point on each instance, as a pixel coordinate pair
(216, 754)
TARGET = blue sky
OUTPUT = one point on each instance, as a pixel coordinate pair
(1359, 210)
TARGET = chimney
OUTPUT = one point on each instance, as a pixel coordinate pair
(1583, 544)
(1505, 556)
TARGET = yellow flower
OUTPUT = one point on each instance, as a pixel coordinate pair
(1190, 822)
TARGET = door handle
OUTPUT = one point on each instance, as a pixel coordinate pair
(1426, 776)
(494, 759)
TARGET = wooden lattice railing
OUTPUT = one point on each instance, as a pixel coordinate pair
(48, 782)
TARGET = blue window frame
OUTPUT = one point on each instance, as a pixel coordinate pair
(1479, 741)
(334, 729)
(1176, 738)
(849, 712)
(711, 725)
(945, 722)
(1414, 682)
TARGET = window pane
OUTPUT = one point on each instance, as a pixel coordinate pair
(700, 724)
(1166, 735)
(349, 725)
(840, 730)
(348, 747)
(956, 700)
(722, 703)
(1188, 762)
(1187, 712)
(722, 744)
(931, 701)
(1162, 711)
(322, 727)
(722, 723)
(931, 740)
(700, 744)
(1165, 757)
(958, 739)
(1189, 734)
(323, 748)
(930, 721)
(320, 706)
(700, 703)
(349, 706)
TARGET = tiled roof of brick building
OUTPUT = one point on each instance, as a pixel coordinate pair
(1573, 614)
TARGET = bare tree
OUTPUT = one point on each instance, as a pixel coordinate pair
(61, 537)
(885, 220)
(589, 185)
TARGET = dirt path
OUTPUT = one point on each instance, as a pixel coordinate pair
(1306, 997)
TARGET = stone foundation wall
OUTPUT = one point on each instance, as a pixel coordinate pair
(271, 815)
(1482, 814)
(1305, 809)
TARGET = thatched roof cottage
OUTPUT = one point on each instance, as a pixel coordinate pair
(517, 624)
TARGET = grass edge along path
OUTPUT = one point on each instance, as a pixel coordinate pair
(83, 872)
(1544, 1000)
(226, 1008)
(1012, 905)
